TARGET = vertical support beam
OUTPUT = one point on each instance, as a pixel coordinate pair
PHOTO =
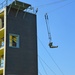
(15, 1)
(24, 14)
(5, 22)
(9, 8)
(0, 62)
(17, 11)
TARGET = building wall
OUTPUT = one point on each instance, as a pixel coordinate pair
(22, 60)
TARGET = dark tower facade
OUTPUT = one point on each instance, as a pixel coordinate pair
(20, 40)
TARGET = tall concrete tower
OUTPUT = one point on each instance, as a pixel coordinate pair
(18, 40)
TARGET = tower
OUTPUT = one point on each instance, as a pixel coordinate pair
(18, 40)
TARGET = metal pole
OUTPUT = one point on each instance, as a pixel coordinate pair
(15, 2)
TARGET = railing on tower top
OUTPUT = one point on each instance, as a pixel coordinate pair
(8, 2)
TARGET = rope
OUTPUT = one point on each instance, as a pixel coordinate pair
(48, 66)
(51, 57)
(48, 28)
(40, 73)
(43, 68)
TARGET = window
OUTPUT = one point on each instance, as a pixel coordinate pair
(14, 40)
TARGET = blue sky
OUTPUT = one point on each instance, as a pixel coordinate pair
(62, 26)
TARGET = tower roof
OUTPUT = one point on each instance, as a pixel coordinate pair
(19, 5)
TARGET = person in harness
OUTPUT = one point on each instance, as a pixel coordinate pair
(51, 45)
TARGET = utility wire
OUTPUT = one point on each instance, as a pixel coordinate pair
(61, 7)
(55, 3)
(51, 57)
(47, 66)
(40, 73)
(43, 67)
(2, 2)
(51, 3)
